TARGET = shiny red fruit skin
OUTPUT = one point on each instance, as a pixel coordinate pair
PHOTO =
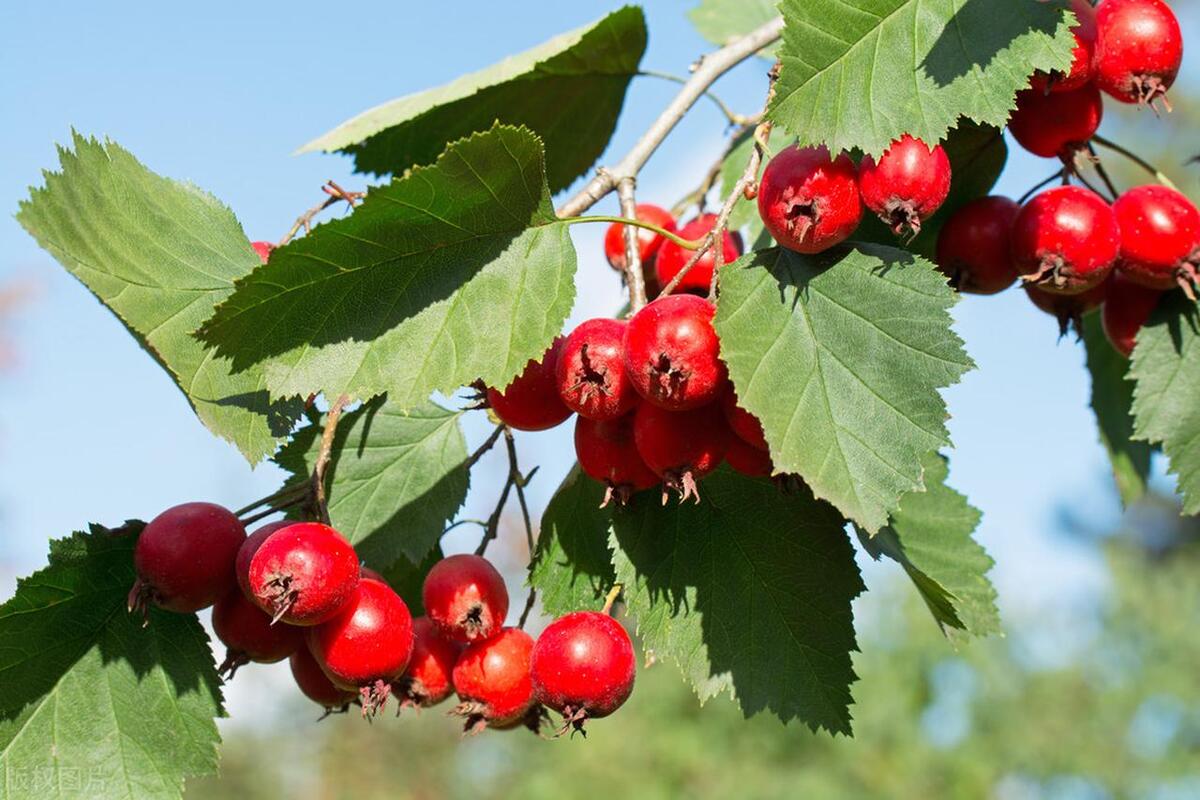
(744, 424)
(591, 375)
(1080, 72)
(315, 684)
(671, 353)
(247, 631)
(1139, 49)
(1056, 124)
(672, 258)
(1125, 310)
(492, 676)
(649, 242)
(249, 548)
(465, 597)
(607, 453)
(692, 441)
(263, 249)
(809, 201)
(974, 247)
(427, 679)
(747, 460)
(370, 640)
(185, 556)
(309, 568)
(1068, 308)
(1068, 238)
(531, 401)
(1160, 236)
(907, 185)
(583, 664)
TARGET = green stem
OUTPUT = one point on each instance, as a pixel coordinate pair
(1135, 158)
(687, 244)
(732, 116)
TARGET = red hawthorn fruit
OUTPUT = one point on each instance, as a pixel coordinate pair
(1068, 309)
(744, 424)
(672, 258)
(263, 249)
(247, 632)
(583, 666)
(974, 246)
(427, 680)
(591, 375)
(607, 453)
(681, 446)
(249, 548)
(1160, 238)
(304, 574)
(907, 185)
(465, 597)
(315, 684)
(1058, 124)
(492, 679)
(671, 353)
(1066, 240)
(648, 241)
(1080, 71)
(1125, 310)
(531, 401)
(748, 460)
(808, 200)
(1139, 49)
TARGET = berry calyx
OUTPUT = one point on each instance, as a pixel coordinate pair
(1139, 48)
(671, 353)
(1160, 238)
(531, 401)
(465, 597)
(304, 574)
(247, 632)
(1066, 240)
(426, 681)
(263, 249)
(747, 460)
(249, 547)
(1068, 309)
(672, 258)
(492, 680)
(367, 645)
(1058, 124)
(1125, 310)
(648, 241)
(681, 446)
(1080, 71)
(590, 373)
(185, 558)
(315, 684)
(607, 453)
(808, 200)
(907, 185)
(583, 666)
(974, 249)
(744, 424)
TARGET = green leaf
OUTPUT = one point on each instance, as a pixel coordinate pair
(722, 21)
(455, 272)
(930, 536)
(408, 579)
(395, 477)
(840, 356)
(573, 568)
(748, 591)
(160, 255)
(1166, 366)
(92, 705)
(569, 90)
(1112, 400)
(860, 73)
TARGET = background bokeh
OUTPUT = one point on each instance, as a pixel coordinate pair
(1092, 693)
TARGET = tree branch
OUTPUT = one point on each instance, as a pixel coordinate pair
(635, 279)
(323, 455)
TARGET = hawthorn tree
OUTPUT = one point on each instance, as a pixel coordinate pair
(349, 352)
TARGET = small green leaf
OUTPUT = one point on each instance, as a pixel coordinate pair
(573, 566)
(722, 21)
(92, 705)
(395, 477)
(748, 591)
(454, 272)
(569, 90)
(841, 356)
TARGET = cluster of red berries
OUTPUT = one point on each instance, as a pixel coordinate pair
(296, 590)
(662, 258)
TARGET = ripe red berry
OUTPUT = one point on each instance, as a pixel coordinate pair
(427, 679)
(974, 249)
(583, 667)
(465, 597)
(907, 185)
(748, 460)
(249, 547)
(247, 632)
(1066, 240)
(591, 375)
(1160, 237)
(185, 558)
(531, 401)
(648, 241)
(1139, 48)
(672, 258)
(1057, 124)
(607, 453)
(315, 684)
(744, 424)
(1068, 309)
(304, 574)
(1080, 71)
(263, 249)
(1126, 308)
(671, 353)
(809, 201)
(681, 446)
(493, 683)
(367, 645)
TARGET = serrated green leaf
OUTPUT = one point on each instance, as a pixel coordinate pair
(860, 73)
(160, 255)
(722, 21)
(569, 90)
(455, 272)
(395, 477)
(749, 591)
(92, 705)
(930, 536)
(573, 568)
(1166, 367)
(1112, 400)
(841, 356)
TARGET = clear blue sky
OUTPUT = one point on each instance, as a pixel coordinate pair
(222, 93)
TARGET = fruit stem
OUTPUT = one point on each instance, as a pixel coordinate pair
(611, 598)
(1135, 158)
(1102, 172)
(486, 446)
(687, 244)
(283, 494)
(323, 456)
(733, 117)
(1058, 174)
